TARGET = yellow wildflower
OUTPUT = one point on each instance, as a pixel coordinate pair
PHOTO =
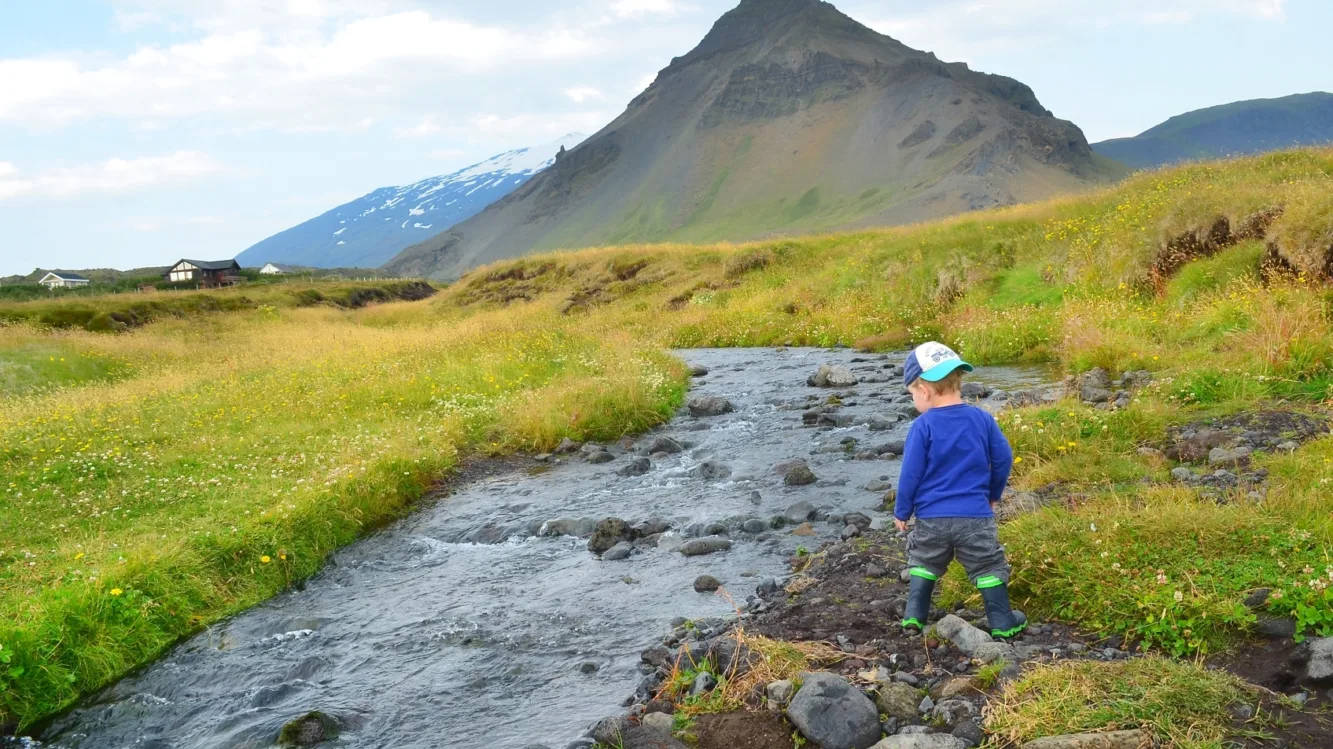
(116, 591)
(265, 559)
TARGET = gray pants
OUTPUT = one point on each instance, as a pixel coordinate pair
(974, 542)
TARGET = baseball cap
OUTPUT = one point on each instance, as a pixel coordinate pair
(932, 361)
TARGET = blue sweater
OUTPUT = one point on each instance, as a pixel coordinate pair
(956, 462)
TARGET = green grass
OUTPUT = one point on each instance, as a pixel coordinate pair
(141, 510)
(1181, 704)
(39, 365)
(185, 459)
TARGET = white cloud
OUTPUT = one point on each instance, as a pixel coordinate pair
(426, 127)
(637, 8)
(581, 94)
(281, 75)
(957, 28)
(8, 170)
(111, 176)
(543, 125)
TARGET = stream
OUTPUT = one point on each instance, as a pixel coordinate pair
(463, 626)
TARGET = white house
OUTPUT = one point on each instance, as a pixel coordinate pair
(63, 281)
(273, 269)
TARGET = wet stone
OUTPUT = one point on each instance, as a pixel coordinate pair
(601, 457)
(709, 406)
(799, 476)
(620, 551)
(706, 584)
(700, 546)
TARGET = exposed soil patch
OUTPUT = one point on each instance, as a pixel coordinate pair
(743, 730)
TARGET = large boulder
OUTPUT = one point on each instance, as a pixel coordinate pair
(836, 376)
(799, 512)
(709, 405)
(832, 713)
(1110, 740)
(964, 636)
(607, 534)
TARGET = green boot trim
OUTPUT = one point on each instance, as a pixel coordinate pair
(1007, 633)
(924, 573)
(909, 623)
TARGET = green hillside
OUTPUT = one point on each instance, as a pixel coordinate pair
(1235, 129)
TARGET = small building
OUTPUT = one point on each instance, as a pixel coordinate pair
(54, 280)
(206, 273)
(274, 269)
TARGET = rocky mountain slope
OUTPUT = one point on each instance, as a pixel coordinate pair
(789, 116)
(372, 229)
(1234, 129)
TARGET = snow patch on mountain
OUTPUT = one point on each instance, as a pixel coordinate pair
(371, 230)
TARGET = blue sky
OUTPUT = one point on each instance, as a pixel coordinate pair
(135, 132)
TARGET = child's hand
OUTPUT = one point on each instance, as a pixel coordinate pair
(902, 524)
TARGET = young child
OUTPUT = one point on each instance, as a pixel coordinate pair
(955, 466)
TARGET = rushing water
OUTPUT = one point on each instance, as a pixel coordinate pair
(419, 637)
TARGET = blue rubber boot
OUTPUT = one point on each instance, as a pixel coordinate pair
(919, 590)
(1004, 621)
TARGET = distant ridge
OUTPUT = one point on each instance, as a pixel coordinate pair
(370, 230)
(1235, 129)
(788, 117)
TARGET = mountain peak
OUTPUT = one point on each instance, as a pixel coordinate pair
(756, 21)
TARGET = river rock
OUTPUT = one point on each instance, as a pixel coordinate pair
(877, 486)
(706, 584)
(754, 525)
(607, 534)
(969, 733)
(898, 700)
(834, 714)
(660, 723)
(975, 391)
(1220, 456)
(964, 636)
(650, 527)
(956, 687)
(1320, 668)
(698, 371)
(711, 470)
(849, 532)
(710, 405)
(1182, 474)
(878, 423)
(308, 730)
(1111, 740)
(636, 467)
(799, 476)
(894, 448)
(568, 445)
(921, 741)
(952, 712)
(664, 445)
(700, 546)
(618, 552)
(611, 731)
(779, 694)
(994, 652)
(1258, 598)
(799, 512)
(836, 376)
(1090, 394)
(601, 456)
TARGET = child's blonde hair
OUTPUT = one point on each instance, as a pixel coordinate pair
(951, 383)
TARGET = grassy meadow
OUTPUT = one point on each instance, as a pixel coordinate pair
(162, 477)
